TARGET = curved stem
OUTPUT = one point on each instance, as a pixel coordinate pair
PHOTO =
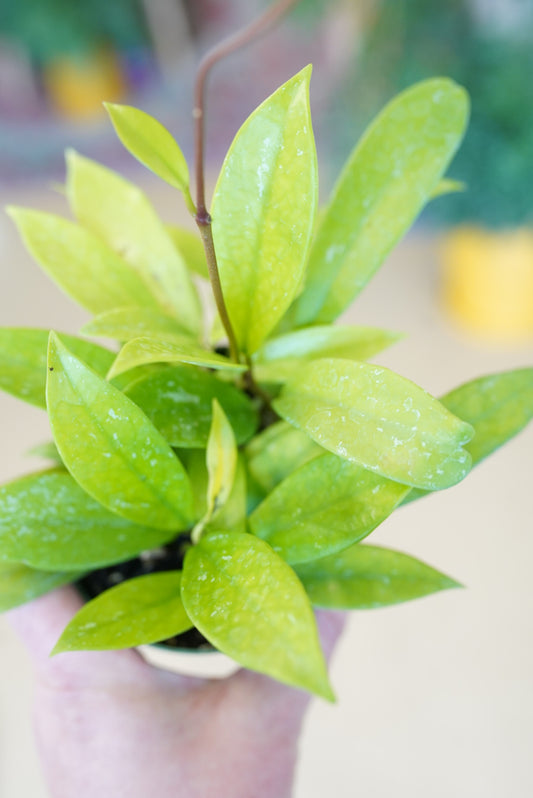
(241, 39)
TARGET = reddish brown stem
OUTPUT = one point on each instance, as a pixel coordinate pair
(239, 40)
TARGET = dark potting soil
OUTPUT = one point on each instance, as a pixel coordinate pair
(166, 558)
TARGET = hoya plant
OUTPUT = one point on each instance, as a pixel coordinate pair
(216, 472)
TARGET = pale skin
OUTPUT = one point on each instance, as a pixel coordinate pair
(108, 724)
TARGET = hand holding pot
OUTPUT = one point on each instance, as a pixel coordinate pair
(109, 724)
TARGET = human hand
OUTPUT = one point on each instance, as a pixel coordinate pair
(108, 724)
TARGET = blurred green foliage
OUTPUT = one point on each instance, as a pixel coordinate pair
(412, 40)
(50, 28)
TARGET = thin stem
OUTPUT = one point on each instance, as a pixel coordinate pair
(241, 39)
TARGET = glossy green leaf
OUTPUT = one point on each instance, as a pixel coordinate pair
(366, 577)
(151, 143)
(278, 358)
(179, 402)
(191, 249)
(122, 216)
(80, 263)
(263, 211)
(124, 324)
(378, 419)
(112, 450)
(277, 452)
(48, 522)
(250, 605)
(137, 612)
(325, 506)
(498, 407)
(387, 181)
(171, 350)
(20, 584)
(23, 355)
(221, 459)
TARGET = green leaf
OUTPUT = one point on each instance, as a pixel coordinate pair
(277, 452)
(137, 612)
(365, 577)
(221, 459)
(119, 213)
(249, 604)
(378, 419)
(20, 584)
(388, 179)
(448, 186)
(263, 211)
(323, 507)
(221, 462)
(151, 144)
(171, 350)
(48, 522)
(23, 355)
(497, 406)
(112, 450)
(191, 249)
(123, 324)
(278, 359)
(48, 451)
(80, 263)
(232, 515)
(179, 401)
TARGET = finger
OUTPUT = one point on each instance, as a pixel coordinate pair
(39, 623)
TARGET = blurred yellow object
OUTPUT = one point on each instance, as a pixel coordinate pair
(77, 87)
(488, 282)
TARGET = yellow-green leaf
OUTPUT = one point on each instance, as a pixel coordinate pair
(80, 263)
(20, 584)
(151, 143)
(497, 406)
(325, 506)
(366, 577)
(171, 350)
(278, 451)
(250, 605)
(126, 323)
(119, 212)
(447, 186)
(137, 612)
(112, 450)
(48, 522)
(23, 355)
(179, 402)
(263, 211)
(278, 358)
(378, 419)
(387, 180)
(221, 459)
(191, 249)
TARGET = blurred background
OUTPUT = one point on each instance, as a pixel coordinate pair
(436, 697)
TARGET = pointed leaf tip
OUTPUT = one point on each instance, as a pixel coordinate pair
(151, 143)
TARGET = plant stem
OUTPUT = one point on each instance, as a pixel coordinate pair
(239, 40)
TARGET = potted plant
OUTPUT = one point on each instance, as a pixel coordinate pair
(217, 481)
